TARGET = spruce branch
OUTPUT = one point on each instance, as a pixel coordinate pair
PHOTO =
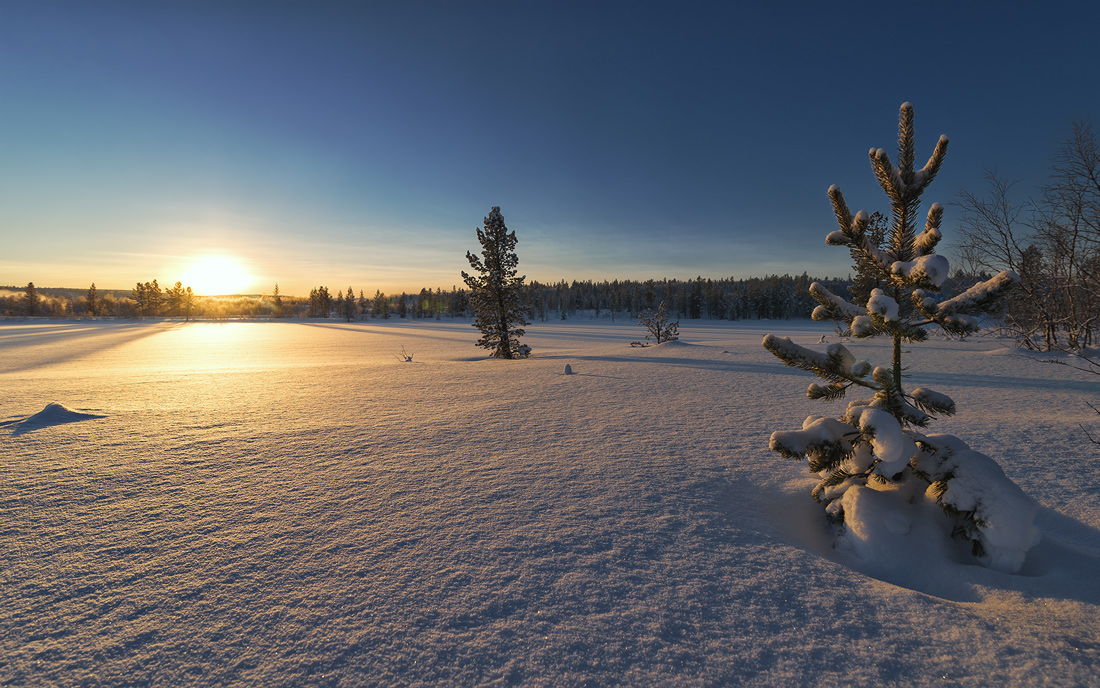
(925, 242)
(832, 307)
(835, 477)
(888, 177)
(932, 402)
(832, 392)
(878, 478)
(981, 297)
(906, 145)
(932, 167)
(836, 366)
(840, 209)
(892, 399)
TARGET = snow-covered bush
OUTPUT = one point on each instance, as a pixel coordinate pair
(876, 444)
(658, 326)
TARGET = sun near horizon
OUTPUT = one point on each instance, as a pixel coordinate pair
(216, 275)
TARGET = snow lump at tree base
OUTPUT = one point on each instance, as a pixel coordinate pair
(874, 463)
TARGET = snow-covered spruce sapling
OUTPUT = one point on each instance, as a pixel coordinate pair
(876, 444)
(495, 294)
(658, 326)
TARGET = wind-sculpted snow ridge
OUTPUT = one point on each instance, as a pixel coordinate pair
(288, 504)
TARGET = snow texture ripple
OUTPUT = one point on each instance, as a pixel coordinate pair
(287, 504)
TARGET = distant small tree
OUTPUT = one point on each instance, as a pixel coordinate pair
(868, 277)
(156, 297)
(93, 301)
(277, 301)
(320, 303)
(458, 302)
(31, 300)
(381, 305)
(424, 304)
(109, 305)
(658, 327)
(314, 309)
(496, 294)
(173, 297)
(147, 296)
(876, 453)
(188, 302)
(138, 296)
(348, 310)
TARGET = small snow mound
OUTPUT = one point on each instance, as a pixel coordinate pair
(53, 414)
(1026, 353)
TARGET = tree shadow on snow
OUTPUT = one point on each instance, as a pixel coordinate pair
(102, 336)
(699, 363)
(1000, 382)
(410, 332)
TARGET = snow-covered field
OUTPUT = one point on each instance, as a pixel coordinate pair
(289, 504)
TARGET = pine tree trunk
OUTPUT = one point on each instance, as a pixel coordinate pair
(505, 348)
(897, 361)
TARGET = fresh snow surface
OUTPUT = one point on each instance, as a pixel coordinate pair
(289, 504)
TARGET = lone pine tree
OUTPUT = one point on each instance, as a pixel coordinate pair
(495, 293)
(876, 445)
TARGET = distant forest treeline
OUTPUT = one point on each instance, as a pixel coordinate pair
(774, 297)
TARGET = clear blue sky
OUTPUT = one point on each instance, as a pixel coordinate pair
(361, 143)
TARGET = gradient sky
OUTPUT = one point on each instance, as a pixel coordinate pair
(361, 143)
